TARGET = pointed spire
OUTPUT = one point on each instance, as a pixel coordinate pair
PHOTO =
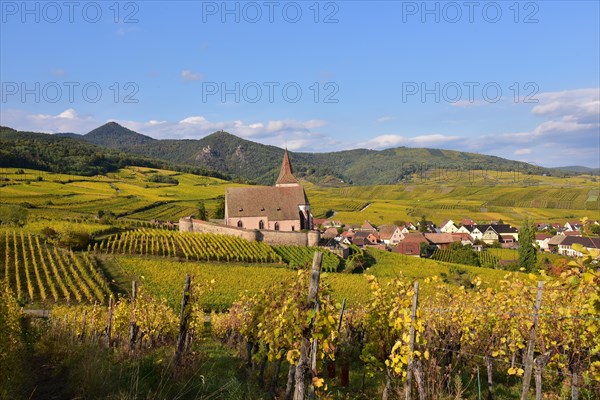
(286, 175)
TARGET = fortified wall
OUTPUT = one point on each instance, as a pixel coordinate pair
(310, 238)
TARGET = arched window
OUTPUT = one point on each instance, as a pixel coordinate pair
(240, 224)
(261, 224)
(276, 226)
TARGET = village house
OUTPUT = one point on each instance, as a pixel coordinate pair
(542, 226)
(448, 226)
(411, 244)
(330, 233)
(390, 234)
(441, 240)
(467, 221)
(541, 240)
(572, 226)
(566, 245)
(554, 242)
(362, 239)
(503, 233)
(347, 237)
(403, 229)
(367, 227)
(283, 207)
(569, 233)
(464, 238)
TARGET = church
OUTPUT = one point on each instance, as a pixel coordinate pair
(283, 207)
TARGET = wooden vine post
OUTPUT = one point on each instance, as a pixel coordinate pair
(528, 359)
(109, 321)
(133, 327)
(184, 317)
(410, 366)
(302, 367)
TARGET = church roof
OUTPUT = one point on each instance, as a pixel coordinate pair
(277, 203)
(286, 174)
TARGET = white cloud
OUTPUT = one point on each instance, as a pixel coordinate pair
(385, 118)
(189, 76)
(519, 152)
(388, 141)
(66, 121)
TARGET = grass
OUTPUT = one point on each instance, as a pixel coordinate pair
(222, 283)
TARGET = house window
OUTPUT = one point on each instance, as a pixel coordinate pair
(276, 226)
(293, 228)
(240, 224)
(261, 224)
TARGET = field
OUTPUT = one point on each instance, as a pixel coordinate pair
(480, 195)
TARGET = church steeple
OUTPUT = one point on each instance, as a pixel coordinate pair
(286, 175)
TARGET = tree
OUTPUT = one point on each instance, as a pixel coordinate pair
(527, 251)
(460, 254)
(202, 211)
(220, 211)
(423, 225)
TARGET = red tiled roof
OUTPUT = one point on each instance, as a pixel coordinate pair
(387, 231)
(276, 203)
(440, 238)
(416, 237)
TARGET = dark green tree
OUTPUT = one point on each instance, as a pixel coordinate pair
(202, 211)
(527, 251)
(220, 211)
(460, 254)
(423, 224)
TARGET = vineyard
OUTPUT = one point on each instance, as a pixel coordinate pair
(40, 272)
(191, 246)
(301, 257)
(449, 345)
(486, 259)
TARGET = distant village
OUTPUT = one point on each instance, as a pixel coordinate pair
(411, 238)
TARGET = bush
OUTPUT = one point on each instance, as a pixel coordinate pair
(13, 215)
(458, 276)
(74, 240)
(163, 179)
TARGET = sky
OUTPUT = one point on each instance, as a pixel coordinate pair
(516, 79)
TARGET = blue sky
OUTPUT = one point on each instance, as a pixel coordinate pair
(514, 79)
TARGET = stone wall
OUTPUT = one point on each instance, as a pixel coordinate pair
(310, 238)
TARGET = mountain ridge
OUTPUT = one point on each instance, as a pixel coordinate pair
(247, 160)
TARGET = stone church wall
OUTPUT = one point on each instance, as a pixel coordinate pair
(310, 238)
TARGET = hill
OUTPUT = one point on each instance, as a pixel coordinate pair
(69, 155)
(115, 136)
(232, 155)
(579, 169)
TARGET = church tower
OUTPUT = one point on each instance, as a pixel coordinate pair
(286, 174)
